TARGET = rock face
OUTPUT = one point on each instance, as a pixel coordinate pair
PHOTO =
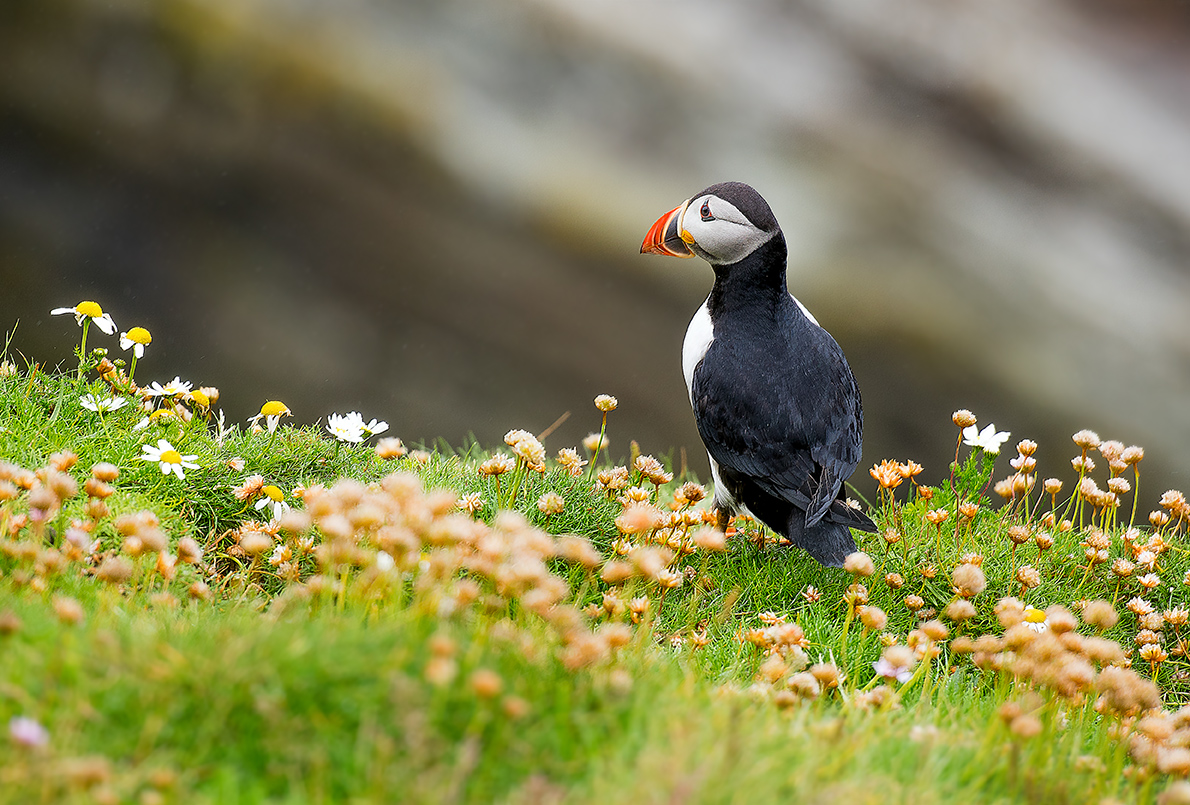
(431, 210)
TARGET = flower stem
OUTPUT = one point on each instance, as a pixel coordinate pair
(598, 447)
(83, 348)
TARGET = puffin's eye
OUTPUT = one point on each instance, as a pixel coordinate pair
(705, 212)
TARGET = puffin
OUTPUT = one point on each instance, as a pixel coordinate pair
(774, 399)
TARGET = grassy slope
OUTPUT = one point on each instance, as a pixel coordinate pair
(321, 698)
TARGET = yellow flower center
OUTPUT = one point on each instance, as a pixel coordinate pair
(171, 457)
(91, 309)
(138, 335)
(1035, 616)
(274, 408)
(161, 413)
(200, 398)
(275, 494)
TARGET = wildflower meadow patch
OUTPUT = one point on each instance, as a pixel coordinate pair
(193, 610)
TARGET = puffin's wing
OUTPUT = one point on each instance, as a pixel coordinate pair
(793, 430)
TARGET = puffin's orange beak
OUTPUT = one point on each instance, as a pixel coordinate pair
(664, 237)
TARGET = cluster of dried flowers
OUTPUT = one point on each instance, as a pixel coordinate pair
(44, 542)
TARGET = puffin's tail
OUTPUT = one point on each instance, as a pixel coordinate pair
(829, 540)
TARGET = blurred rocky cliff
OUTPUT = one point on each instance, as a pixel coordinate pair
(430, 210)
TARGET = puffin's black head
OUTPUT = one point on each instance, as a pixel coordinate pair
(723, 224)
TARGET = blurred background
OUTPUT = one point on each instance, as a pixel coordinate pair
(431, 210)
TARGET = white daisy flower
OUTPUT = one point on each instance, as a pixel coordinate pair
(169, 459)
(349, 428)
(136, 339)
(375, 426)
(385, 561)
(272, 498)
(160, 415)
(1035, 618)
(174, 388)
(988, 439)
(271, 411)
(101, 404)
(88, 311)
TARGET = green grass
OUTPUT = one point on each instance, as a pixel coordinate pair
(446, 680)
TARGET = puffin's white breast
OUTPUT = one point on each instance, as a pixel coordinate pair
(699, 336)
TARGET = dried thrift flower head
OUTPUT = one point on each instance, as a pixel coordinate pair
(911, 469)
(115, 570)
(963, 418)
(390, 447)
(859, 564)
(1132, 455)
(1019, 534)
(569, 460)
(651, 468)
(968, 580)
(1100, 614)
(1111, 449)
(593, 442)
(959, 610)
(551, 503)
(68, 610)
(1009, 611)
(1028, 576)
(606, 402)
(873, 618)
(887, 474)
(497, 465)
(528, 449)
(937, 516)
(709, 539)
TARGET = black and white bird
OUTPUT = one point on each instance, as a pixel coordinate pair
(774, 399)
